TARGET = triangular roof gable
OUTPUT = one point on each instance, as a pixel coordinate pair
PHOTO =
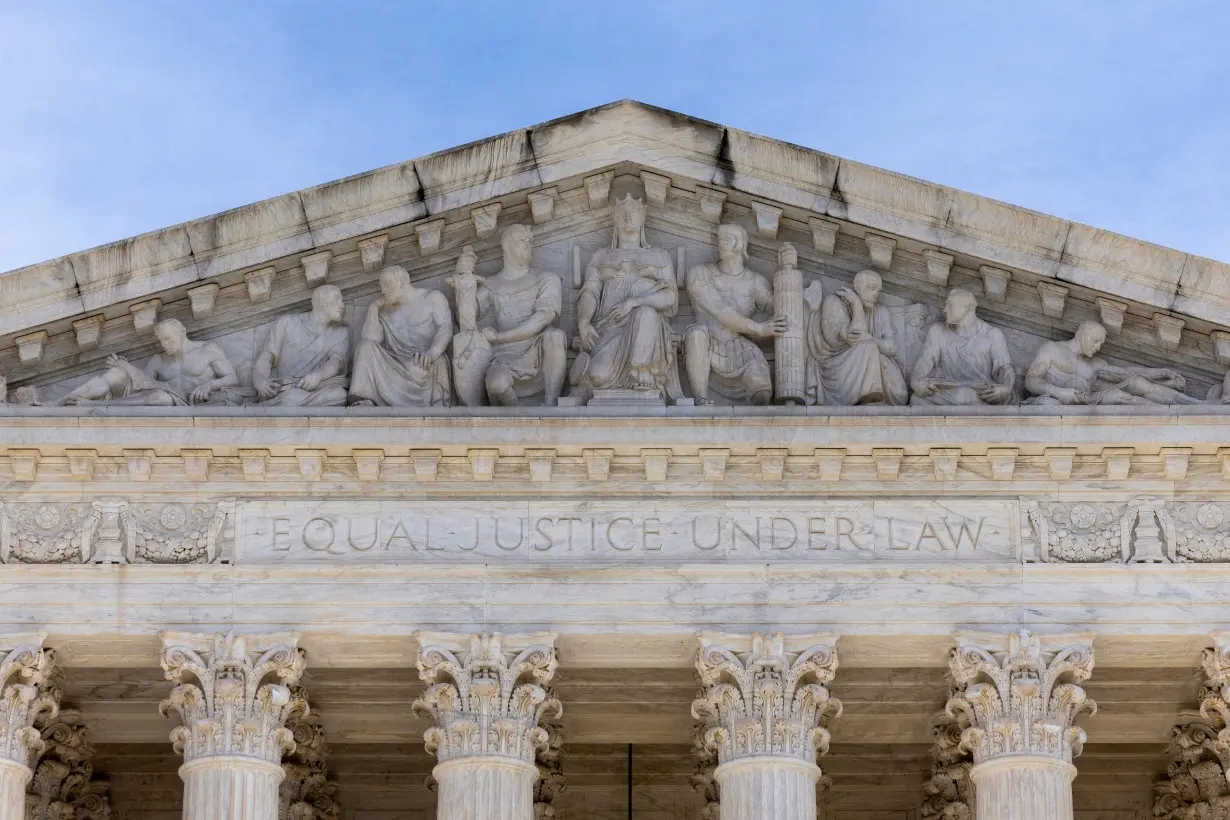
(709, 160)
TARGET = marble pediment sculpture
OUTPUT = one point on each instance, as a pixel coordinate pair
(623, 313)
(306, 356)
(964, 360)
(718, 348)
(507, 348)
(618, 276)
(401, 360)
(185, 372)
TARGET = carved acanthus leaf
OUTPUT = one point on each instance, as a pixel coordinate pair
(551, 781)
(64, 786)
(28, 698)
(766, 700)
(949, 793)
(487, 694)
(307, 792)
(225, 699)
(1020, 696)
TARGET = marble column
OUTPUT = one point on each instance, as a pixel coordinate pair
(25, 674)
(764, 701)
(487, 696)
(233, 716)
(1017, 697)
(1197, 782)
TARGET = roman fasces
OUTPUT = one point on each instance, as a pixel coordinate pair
(751, 339)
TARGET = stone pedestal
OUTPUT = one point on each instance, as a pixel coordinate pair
(233, 734)
(487, 695)
(1016, 701)
(763, 701)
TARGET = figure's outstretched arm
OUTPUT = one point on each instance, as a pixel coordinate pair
(705, 296)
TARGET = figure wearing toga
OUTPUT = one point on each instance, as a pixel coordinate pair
(623, 314)
(851, 341)
(185, 372)
(726, 296)
(964, 360)
(400, 361)
(1071, 372)
(309, 353)
(507, 348)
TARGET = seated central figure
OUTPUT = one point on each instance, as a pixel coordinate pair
(717, 351)
(623, 314)
(851, 339)
(401, 360)
(964, 360)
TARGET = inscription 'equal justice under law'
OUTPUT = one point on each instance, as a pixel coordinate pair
(853, 530)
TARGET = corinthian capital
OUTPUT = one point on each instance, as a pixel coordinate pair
(29, 695)
(487, 694)
(226, 698)
(1019, 694)
(766, 694)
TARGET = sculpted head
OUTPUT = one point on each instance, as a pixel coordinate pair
(867, 284)
(961, 303)
(732, 242)
(518, 244)
(327, 303)
(395, 284)
(1090, 337)
(171, 335)
(630, 220)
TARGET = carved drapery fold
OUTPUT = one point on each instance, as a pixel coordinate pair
(224, 698)
(764, 701)
(64, 786)
(487, 696)
(306, 792)
(1016, 702)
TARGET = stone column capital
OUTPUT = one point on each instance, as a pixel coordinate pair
(766, 694)
(233, 694)
(487, 694)
(1018, 694)
(30, 696)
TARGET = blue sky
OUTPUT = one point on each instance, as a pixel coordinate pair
(121, 117)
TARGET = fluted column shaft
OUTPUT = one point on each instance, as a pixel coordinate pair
(487, 696)
(757, 788)
(763, 702)
(235, 788)
(1028, 787)
(233, 719)
(485, 788)
(14, 777)
(1016, 701)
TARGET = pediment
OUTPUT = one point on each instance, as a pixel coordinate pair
(227, 276)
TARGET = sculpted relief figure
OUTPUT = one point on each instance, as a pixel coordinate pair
(507, 346)
(964, 360)
(1071, 372)
(185, 372)
(400, 361)
(852, 342)
(717, 351)
(623, 313)
(309, 352)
